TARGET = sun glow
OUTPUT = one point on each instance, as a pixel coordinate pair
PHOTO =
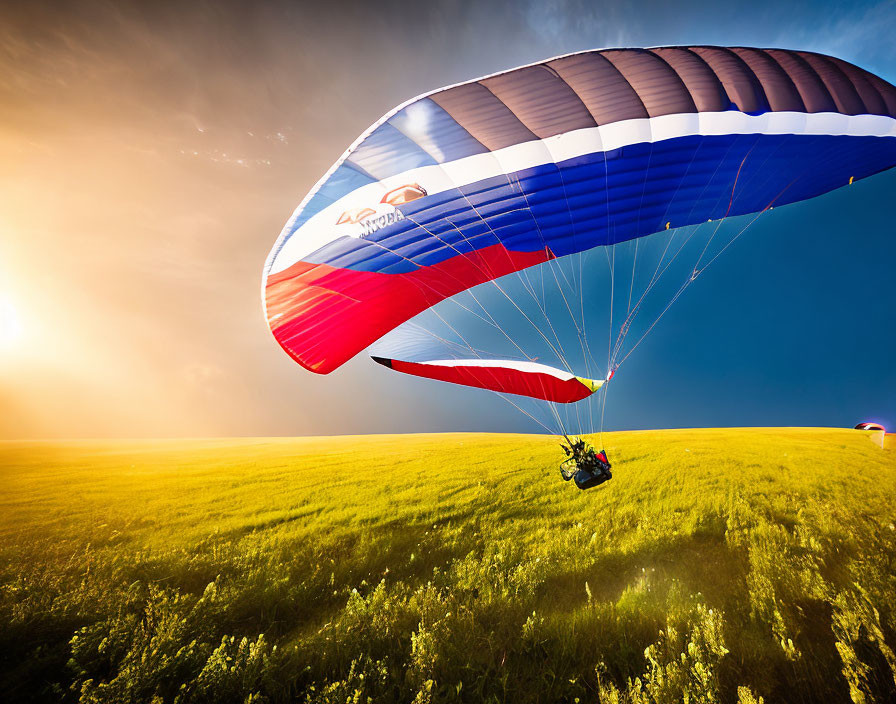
(10, 327)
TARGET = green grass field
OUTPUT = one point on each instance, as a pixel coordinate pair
(717, 565)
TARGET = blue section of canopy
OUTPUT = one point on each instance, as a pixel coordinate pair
(604, 198)
(386, 152)
(422, 134)
(342, 181)
(435, 131)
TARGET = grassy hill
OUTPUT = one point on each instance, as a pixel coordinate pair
(717, 565)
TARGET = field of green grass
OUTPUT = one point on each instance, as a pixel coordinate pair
(717, 565)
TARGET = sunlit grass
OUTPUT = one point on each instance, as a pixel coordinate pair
(716, 564)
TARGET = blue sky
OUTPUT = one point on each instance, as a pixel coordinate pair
(153, 152)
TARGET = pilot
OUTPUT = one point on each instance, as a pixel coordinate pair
(584, 465)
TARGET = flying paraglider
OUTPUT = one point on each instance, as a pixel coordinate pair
(470, 183)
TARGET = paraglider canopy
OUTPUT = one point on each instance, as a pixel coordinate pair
(475, 181)
(869, 426)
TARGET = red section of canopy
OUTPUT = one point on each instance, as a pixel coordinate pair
(323, 316)
(506, 380)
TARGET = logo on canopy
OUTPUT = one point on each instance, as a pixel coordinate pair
(371, 219)
(404, 194)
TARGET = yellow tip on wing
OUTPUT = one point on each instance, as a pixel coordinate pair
(592, 384)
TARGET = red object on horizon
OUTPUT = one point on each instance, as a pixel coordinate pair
(870, 426)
